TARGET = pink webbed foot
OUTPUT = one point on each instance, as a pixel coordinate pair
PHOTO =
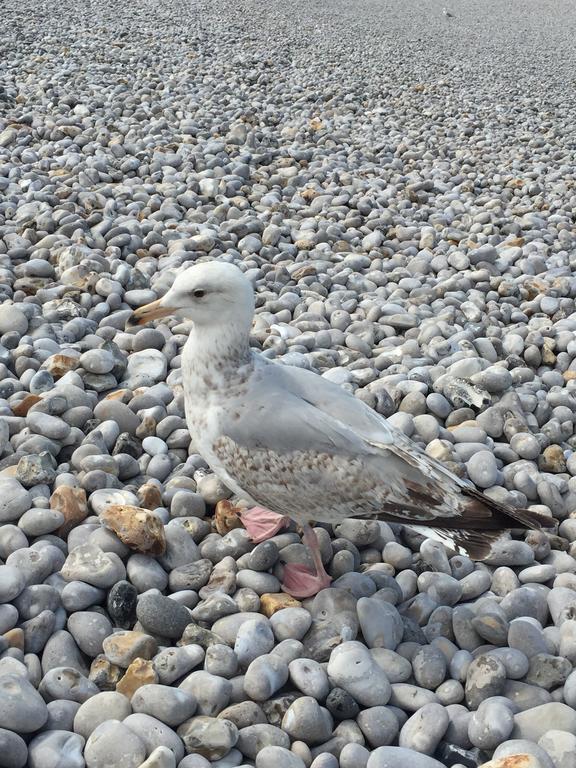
(262, 524)
(300, 581)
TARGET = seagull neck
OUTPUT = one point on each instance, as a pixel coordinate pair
(217, 355)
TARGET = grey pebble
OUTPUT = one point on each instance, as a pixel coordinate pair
(154, 733)
(424, 729)
(22, 708)
(56, 749)
(89, 629)
(66, 683)
(162, 616)
(254, 738)
(211, 693)
(13, 750)
(265, 676)
(278, 757)
(305, 720)
(113, 743)
(107, 705)
(170, 705)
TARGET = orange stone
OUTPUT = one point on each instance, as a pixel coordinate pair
(58, 365)
(569, 375)
(149, 496)
(226, 517)
(139, 673)
(136, 527)
(270, 602)
(73, 504)
(22, 408)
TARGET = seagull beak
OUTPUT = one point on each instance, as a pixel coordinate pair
(148, 312)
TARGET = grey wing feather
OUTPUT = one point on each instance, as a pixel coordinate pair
(295, 424)
(333, 401)
(278, 419)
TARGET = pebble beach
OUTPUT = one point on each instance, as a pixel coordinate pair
(398, 181)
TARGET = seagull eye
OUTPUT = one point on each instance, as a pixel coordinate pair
(198, 293)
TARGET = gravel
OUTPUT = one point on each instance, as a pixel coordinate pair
(398, 183)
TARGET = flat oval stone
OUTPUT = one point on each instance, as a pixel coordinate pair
(89, 629)
(107, 705)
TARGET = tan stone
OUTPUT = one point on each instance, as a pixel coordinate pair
(138, 528)
(147, 427)
(306, 271)
(24, 405)
(552, 459)
(123, 647)
(309, 194)
(569, 375)
(123, 395)
(149, 496)
(73, 504)
(58, 365)
(139, 673)
(270, 602)
(226, 517)
(15, 638)
(105, 674)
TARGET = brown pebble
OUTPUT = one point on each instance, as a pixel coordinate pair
(24, 405)
(73, 504)
(105, 674)
(58, 365)
(226, 517)
(271, 602)
(138, 528)
(149, 496)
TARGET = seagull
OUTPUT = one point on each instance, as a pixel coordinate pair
(447, 13)
(299, 447)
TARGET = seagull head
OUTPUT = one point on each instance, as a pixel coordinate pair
(211, 293)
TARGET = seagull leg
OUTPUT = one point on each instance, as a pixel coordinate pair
(299, 580)
(262, 524)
